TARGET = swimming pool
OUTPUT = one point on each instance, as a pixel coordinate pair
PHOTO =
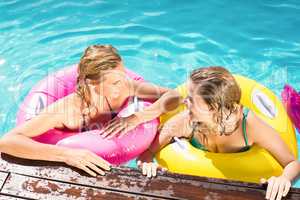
(160, 39)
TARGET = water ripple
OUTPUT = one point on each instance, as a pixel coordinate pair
(283, 5)
(161, 40)
(154, 14)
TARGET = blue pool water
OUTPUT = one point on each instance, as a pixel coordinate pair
(160, 39)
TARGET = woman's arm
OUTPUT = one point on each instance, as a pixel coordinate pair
(145, 90)
(177, 126)
(266, 137)
(166, 103)
(18, 142)
(168, 100)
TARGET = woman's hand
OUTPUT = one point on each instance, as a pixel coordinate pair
(278, 187)
(86, 160)
(119, 126)
(148, 166)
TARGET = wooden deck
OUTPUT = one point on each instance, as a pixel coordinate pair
(25, 179)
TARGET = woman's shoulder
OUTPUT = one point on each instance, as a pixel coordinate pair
(256, 128)
(179, 118)
(61, 105)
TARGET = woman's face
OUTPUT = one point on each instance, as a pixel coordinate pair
(198, 109)
(114, 83)
(199, 112)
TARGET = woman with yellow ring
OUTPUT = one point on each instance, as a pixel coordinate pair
(228, 142)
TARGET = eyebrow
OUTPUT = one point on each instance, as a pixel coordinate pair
(116, 81)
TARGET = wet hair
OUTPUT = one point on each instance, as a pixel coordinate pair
(95, 60)
(220, 92)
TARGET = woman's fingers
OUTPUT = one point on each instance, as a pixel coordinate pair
(119, 127)
(144, 168)
(139, 164)
(110, 125)
(100, 162)
(274, 189)
(270, 187)
(122, 132)
(286, 188)
(278, 187)
(153, 169)
(87, 160)
(111, 130)
(87, 170)
(149, 170)
(94, 167)
(280, 191)
(117, 132)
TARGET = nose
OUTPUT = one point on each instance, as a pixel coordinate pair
(190, 114)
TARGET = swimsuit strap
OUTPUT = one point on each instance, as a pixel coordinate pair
(112, 112)
(83, 128)
(198, 145)
(113, 115)
(194, 142)
(244, 127)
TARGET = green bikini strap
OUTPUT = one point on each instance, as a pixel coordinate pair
(244, 127)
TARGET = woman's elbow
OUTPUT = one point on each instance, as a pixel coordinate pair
(8, 139)
(4, 141)
(172, 101)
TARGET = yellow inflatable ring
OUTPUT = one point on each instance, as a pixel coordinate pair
(247, 166)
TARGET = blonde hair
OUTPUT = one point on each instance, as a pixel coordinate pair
(95, 60)
(219, 90)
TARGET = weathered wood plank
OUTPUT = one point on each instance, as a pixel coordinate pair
(36, 188)
(6, 197)
(3, 176)
(126, 180)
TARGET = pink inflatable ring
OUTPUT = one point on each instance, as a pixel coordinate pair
(115, 150)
